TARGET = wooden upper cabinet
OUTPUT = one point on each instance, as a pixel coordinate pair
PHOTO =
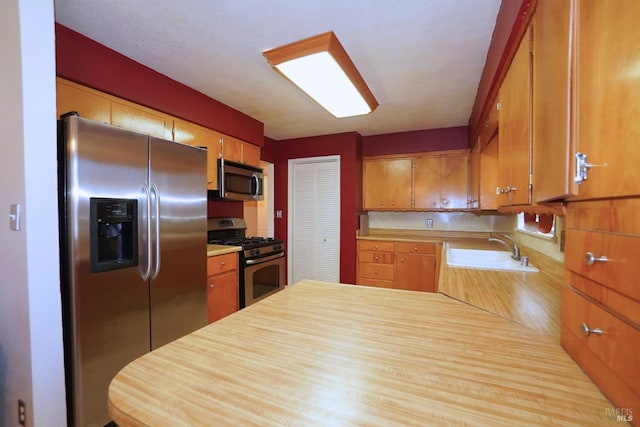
(607, 96)
(489, 174)
(192, 134)
(474, 175)
(236, 150)
(514, 155)
(141, 119)
(88, 103)
(441, 182)
(552, 98)
(387, 184)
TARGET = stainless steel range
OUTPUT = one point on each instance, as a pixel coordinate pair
(261, 261)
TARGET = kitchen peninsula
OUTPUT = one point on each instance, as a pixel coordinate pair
(319, 353)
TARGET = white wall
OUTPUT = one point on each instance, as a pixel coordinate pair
(31, 354)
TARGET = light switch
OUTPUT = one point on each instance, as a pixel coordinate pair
(279, 213)
(14, 217)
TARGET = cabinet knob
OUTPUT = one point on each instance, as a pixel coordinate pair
(586, 330)
(375, 272)
(445, 202)
(209, 181)
(590, 258)
(401, 259)
(415, 249)
(375, 257)
(211, 285)
(223, 263)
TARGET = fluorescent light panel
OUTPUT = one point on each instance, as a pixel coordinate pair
(321, 68)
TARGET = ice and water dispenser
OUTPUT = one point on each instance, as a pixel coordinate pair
(113, 234)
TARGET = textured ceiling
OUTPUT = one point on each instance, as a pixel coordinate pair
(421, 58)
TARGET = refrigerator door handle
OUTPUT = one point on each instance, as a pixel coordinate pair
(147, 273)
(156, 193)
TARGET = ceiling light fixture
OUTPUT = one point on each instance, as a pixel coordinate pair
(322, 69)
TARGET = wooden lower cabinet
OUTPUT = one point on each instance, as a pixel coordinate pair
(398, 265)
(600, 300)
(416, 266)
(376, 263)
(222, 286)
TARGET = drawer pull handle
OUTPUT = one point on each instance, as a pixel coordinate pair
(586, 330)
(590, 258)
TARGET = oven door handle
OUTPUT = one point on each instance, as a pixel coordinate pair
(265, 259)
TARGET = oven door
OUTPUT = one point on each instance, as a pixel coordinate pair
(263, 278)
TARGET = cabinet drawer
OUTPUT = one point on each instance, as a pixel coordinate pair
(221, 263)
(376, 271)
(417, 248)
(376, 257)
(616, 348)
(375, 245)
(614, 262)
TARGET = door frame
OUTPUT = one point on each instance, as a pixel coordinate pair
(290, 204)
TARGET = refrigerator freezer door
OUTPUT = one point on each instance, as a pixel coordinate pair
(106, 314)
(179, 273)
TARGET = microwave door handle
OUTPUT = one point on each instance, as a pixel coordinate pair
(254, 178)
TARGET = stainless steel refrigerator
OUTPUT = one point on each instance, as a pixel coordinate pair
(133, 235)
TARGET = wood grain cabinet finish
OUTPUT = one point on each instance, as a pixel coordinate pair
(399, 265)
(601, 300)
(199, 136)
(416, 266)
(128, 115)
(586, 99)
(514, 148)
(222, 286)
(421, 182)
(87, 102)
(376, 263)
(441, 182)
(238, 151)
(387, 184)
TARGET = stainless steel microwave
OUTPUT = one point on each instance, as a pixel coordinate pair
(239, 181)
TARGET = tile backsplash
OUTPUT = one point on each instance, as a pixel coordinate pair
(443, 221)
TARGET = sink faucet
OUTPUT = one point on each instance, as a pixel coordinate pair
(508, 242)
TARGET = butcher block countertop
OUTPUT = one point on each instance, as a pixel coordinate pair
(321, 354)
(214, 250)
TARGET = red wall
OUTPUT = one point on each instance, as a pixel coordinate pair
(417, 141)
(349, 147)
(85, 61)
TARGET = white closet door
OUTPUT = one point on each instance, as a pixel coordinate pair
(314, 225)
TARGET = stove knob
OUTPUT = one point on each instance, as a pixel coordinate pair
(254, 252)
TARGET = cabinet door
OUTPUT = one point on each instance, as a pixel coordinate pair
(552, 95)
(131, 116)
(415, 272)
(232, 149)
(474, 176)
(607, 101)
(515, 130)
(192, 134)
(426, 179)
(489, 174)
(251, 154)
(387, 184)
(88, 103)
(454, 181)
(222, 295)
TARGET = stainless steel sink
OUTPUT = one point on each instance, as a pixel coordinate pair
(485, 260)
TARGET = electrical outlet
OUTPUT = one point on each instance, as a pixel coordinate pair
(429, 223)
(22, 412)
